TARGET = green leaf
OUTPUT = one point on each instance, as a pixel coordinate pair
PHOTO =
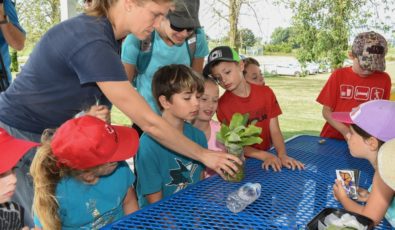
(252, 131)
(236, 121)
(251, 141)
(234, 137)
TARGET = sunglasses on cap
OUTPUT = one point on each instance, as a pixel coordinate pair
(178, 29)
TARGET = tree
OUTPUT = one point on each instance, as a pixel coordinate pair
(246, 38)
(37, 16)
(323, 28)
(234, 8)
(280, 35)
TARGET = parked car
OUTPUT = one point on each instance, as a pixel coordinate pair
(289, 69)
(312, 68)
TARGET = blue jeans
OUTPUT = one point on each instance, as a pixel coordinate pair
(24, 187)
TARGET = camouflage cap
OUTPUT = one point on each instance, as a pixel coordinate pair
(370, 48)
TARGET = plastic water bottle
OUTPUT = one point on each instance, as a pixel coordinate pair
(241, 198)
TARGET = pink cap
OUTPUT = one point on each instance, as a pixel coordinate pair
(376, 117)
(87, 141)
(12, 150)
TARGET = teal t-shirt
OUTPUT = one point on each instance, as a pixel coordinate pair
(162, 55)
(161, 169)
(84, 206)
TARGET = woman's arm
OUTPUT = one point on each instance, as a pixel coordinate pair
(130, 203)
(126, 98)
(197, 64)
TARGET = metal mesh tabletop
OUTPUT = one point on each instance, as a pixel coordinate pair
(289, 199)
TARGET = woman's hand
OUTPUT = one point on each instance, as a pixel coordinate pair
(221, 162)
(100, 111)
(271, 161)
(291, 163)
(338, 191)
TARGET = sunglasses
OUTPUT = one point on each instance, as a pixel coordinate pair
(178, 29)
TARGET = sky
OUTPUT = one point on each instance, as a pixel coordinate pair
(269, 17)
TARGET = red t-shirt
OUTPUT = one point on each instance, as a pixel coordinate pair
(261, 104)
(345, 90)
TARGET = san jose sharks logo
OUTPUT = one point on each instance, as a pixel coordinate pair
(182, 176)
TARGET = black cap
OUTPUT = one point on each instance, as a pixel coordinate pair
(186, 14)
(220, 53)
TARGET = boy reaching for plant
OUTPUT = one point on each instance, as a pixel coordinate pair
(161, 171)
(224, 65)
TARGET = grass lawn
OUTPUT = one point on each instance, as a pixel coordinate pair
(301, 113)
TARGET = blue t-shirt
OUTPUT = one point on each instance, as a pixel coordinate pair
(59, 78)
(162, 55)
(10, 11)
(84, 206)
(161, 169)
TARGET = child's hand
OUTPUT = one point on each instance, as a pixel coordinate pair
(100, 111)
(338, 191)
(363, 194)
(271, 161)
(291, 163)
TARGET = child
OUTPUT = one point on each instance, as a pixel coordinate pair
(208, 107)
(385, 159)
(252, 73)
(12, 150)
(161, 171)
(258, 101)
(349, 87)
(80, 177)
(367, 134)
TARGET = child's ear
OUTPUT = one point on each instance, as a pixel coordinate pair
(373, 143)
(241, 65)
(164, 102)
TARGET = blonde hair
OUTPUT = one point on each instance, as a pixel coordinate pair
(46, 173)
(100, 8)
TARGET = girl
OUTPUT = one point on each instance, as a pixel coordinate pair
(207, 108)
(73, 171)
(367, 134)
(252, 73)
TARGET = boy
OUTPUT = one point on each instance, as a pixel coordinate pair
(259, 101)
(160, 171)
(12, 150)
(349, 87)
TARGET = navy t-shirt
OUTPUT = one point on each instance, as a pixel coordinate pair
(59, 78)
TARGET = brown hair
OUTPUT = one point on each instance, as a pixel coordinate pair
(365, 135)
(100, 7)
(172, 79)
(249, 61)
(46, 173)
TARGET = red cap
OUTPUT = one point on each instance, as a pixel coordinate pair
(87, 141)
(12, 150)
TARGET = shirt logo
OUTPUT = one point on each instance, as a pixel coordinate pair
(362, 93)
(346, 91)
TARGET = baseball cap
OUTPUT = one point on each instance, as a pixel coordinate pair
(370, 49)
(386, 157)
(375, 117)
(12, 150)
(186, 14)
(87, 141)
(220, 53)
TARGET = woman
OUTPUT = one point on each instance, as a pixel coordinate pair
(73, 65)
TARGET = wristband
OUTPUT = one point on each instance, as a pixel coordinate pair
(5, 20)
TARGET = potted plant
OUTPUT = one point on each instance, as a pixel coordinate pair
(236, 136)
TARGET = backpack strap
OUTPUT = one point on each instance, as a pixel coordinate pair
(145, 54)
(192, 41)
(4, 83)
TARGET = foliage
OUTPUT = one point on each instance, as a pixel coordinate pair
(280, 35)
(278, 48)
(14, 61)
(323, 28)
(238, 134)
(36, 17)
(246, 38)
